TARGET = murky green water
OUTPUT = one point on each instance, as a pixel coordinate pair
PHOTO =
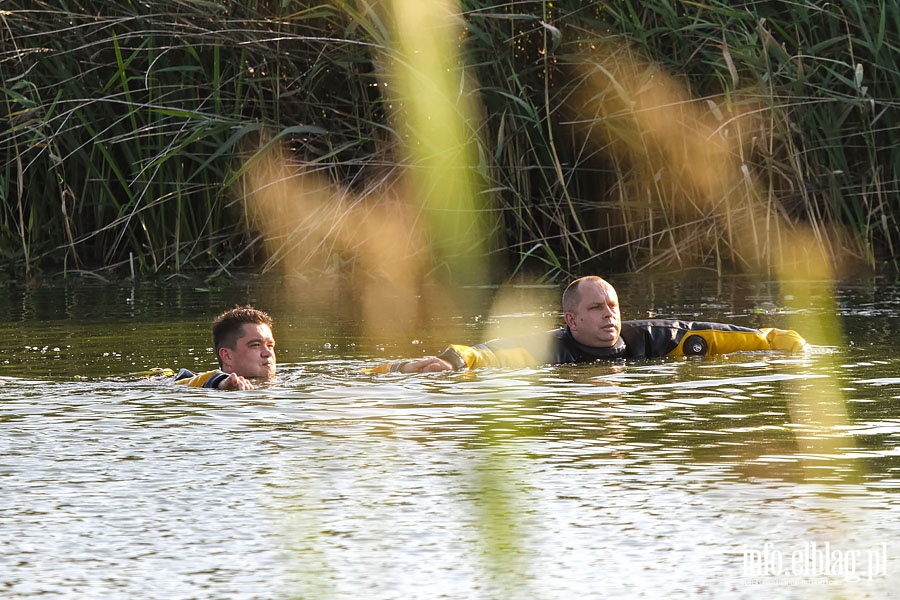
(718, 478)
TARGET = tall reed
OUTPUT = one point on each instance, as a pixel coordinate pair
(124, 123)
(124, 128)
(821, 79)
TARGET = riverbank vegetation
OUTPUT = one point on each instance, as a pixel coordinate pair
(129, 128)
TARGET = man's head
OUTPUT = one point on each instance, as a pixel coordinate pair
(591, 308)
(243, 341)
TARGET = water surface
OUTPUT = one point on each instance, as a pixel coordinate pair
(736, 476)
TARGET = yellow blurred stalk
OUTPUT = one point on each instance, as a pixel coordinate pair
(437, 109)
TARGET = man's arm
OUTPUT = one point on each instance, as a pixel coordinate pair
(653, 338)
(213, 380)
(458, 357)
(429, 364)
(235, 382)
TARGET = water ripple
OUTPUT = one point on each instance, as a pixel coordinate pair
(644, 479)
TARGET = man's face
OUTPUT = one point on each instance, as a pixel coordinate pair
(595, 321)
(253, 354)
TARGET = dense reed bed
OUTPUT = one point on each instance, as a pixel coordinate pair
(128, 128)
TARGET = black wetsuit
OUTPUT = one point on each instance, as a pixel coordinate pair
(649, 338)
(209, 379)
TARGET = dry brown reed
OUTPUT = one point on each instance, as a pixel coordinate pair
(686, 165)
(306, 221)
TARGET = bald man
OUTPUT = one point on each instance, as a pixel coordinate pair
(594, 330)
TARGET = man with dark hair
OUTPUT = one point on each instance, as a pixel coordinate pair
(244, 345)
(594, 331)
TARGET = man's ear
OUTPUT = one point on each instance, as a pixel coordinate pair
(224, 356)
(570, 320)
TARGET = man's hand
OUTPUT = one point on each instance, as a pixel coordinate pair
(429, 364)
(235, 382)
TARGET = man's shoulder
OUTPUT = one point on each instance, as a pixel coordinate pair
(209, 379)
(682, 325)
(653, 338)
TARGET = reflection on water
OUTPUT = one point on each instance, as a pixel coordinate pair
(659, 479)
